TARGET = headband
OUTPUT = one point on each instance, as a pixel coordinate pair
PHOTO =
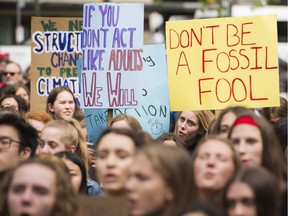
(245, 120)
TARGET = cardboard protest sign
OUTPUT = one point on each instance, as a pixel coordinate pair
(56, 46)
(112, 43)
(154, 113)
(215, 63)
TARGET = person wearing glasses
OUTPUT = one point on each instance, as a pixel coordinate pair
(18, 139)
(13, 73)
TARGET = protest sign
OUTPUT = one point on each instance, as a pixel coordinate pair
(56, 46)
(112, 41)
(215, 63)
(154, 113)
(96, 119)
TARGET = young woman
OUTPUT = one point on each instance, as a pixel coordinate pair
(22, 91)
(160, 181)
(226, 118)
(18, 89)
(191, 126)
(252, 191)
(214, 162)
(255, 141)
(76, 169)
(272, 114)
(66, 135)
(14, 101)
(116, 148)
(37, 187)
(61, 102)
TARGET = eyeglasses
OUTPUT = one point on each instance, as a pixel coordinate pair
(11, 73)
(5, 142)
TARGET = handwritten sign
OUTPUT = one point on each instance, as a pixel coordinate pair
(215, 63)
(112, 41)
(154, 113)
(96, 119)
(56, 46)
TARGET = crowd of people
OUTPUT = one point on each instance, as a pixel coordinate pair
(231, 162)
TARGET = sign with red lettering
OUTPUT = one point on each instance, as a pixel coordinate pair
(112, 41)
(215, 63)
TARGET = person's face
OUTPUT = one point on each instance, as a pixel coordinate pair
(121, 124)
(12, 74)
(75, 172)
(146, 189)
(226, 123)
(9, 156)
(32, 191)
(188, 126)
(241, 201)
(248, 143)
(115, 155)
(23, 94)
(51, 141)
(10, 102)
(213, 165)
(64, 105)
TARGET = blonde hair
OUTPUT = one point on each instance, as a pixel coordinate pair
(72, 136)
(205, 118)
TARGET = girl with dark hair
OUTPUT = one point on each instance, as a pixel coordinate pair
(272, 114)
(116, 148)
(61, 102)
(252, 191)
(226, 118)
(257, 145)
(214, 162)
(160, 181)
(77, 170)
(255, 141)
(15, 101)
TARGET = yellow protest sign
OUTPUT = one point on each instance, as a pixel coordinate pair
(215, 63)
